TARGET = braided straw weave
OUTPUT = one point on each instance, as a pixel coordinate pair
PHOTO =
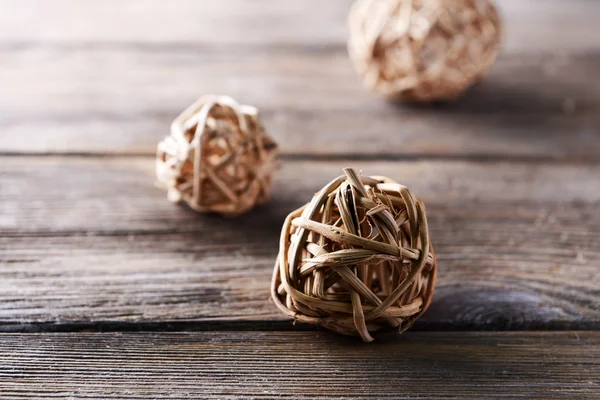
(357, 258)
(423, 50)
(218, 157)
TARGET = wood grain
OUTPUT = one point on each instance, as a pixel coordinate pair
(106, 101)
(91, 241)
(257, 365)
(509, 174)
(76, 85)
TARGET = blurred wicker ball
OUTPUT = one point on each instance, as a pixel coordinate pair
(218, 157)
(357, 258)
(423, 50)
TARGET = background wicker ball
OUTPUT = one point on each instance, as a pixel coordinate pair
(357, 258)
(218, 157)
(423, 50)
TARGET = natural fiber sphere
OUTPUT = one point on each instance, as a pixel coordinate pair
(357, 258)
(423, 50)
(218, 157)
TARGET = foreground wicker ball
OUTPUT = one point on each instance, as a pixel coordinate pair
(357, 258)
(218, 157)
(423, 50)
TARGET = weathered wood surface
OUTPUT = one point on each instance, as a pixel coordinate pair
(91, 240)
(94, 88)
(257, 365)
(509, 174)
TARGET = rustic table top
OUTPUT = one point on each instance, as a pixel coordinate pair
(109, 291)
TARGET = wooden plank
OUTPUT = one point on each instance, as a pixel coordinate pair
(108, 77)
(529, 26)
(257, 365)
(102, 100)
(90, 240)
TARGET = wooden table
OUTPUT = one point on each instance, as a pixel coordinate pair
(109, 291)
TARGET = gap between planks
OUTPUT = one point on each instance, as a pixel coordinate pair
(275, 324)
(346, 157)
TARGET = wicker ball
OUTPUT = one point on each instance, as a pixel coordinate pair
(218, 157)
(423, 50)
(357, 258)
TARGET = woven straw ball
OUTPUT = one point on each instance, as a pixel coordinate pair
(357, 259)
(423, 50)
(218, 157)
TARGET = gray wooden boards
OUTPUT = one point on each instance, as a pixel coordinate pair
(109, 78)
(301, 365)
(509, 174)
(91, 240)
